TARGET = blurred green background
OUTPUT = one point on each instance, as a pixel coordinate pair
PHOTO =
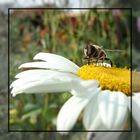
(65, 34)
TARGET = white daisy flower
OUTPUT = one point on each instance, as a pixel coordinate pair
(102, 93)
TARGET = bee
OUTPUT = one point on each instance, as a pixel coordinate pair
(95, 53)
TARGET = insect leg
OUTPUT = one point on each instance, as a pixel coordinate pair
(97, 60)
(103, 59)
(108, 59)
(89, 60)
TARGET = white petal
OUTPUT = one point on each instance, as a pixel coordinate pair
(29, 76)
(59, 61)
(91, 118)
(85, 87)
(136, 109)
(58, 66)
(49, 74)
(34, 65)
(97, 124)
(70, 111)
(49, 57)
(42, 87)
(113, 107)
(43, 82)
(25, 80)
(34, 72)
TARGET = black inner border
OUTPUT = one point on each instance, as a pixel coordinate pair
(130, 9)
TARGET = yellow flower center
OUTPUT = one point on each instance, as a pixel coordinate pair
(111, 78)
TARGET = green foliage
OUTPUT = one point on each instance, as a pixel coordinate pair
(65, 34)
